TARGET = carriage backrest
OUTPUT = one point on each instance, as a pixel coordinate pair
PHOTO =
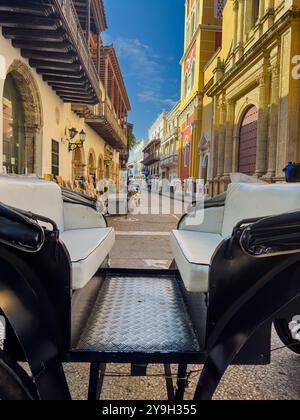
(246, 201)
(31, 194)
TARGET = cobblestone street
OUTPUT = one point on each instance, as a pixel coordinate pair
(143, 241)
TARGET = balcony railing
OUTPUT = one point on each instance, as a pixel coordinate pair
(70, 18)
(151, 158)
(103, 120)
(174, 132)
(169, 160)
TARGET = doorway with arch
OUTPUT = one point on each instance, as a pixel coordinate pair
(247, 150)
(22, 121)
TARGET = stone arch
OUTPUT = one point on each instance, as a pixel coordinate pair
(92, 165)
(78, 164)
(30, 99)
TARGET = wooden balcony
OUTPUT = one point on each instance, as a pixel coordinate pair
(50, 36)
(151, 158)
(103, 120)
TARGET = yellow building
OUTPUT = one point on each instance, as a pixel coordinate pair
(58, 87)
(170, 145)
(251, 92)
(202, 37)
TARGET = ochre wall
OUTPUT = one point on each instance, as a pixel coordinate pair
(56, 117)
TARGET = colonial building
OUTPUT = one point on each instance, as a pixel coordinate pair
(170, 145)
(138, 168)
(152, 149)
(252, 92)
(203, 35)
(64, 103)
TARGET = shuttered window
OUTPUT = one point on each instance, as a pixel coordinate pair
(55, 158)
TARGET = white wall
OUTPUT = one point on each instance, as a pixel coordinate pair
(157, 130)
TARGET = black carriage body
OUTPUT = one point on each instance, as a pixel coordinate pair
(229, 325)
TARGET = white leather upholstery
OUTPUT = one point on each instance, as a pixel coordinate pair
(208, 220)
(88, 248)
(82, 229)
(245, 201)
(82, 217)
(193, 252)
(38, 196)
(193, 247)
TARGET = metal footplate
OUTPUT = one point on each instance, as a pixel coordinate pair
(136, 314)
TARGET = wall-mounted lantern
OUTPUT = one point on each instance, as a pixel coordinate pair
(75, 143)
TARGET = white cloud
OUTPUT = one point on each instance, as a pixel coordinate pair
(151, 96)
(146, 66)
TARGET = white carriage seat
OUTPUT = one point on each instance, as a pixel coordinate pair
(82, 229)
(193, 253)
(86, 248)
(194, 246)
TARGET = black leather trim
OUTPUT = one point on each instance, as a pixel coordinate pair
(20, 230)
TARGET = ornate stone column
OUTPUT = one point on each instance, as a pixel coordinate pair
(261, 9)
(262, 135)
(235, 29)
(269, 5)
(241, 19)
(222, 134)
(229, 139)
(241, 27)
(273, 121)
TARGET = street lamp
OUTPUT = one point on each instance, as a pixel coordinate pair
(77, 143)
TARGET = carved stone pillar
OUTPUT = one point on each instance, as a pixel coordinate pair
(262, 134)
(235, 30)
(241, 17)
(241, 28)
(229, 139)
(222, 134)
(261, 9)
(273, 121)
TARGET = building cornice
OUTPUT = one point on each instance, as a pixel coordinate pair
(197, 95)
(257, 47)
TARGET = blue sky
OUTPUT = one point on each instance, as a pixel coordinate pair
(148, 37)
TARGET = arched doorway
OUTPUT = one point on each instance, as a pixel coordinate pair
(92, 170)
(248, 142)
(21, 121)
(78, 164)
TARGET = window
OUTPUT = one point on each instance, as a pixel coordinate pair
(55, 158)
(185, 84)
(219, 6)
(186, 153)
(193, 73)
(197, 12)
(193, 23)
(187, 120)
(256, 4)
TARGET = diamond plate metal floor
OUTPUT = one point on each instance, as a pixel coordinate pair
(146, 315)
